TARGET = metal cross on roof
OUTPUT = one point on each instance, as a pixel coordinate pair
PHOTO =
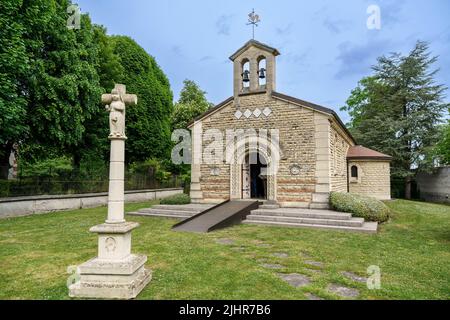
(253, 20)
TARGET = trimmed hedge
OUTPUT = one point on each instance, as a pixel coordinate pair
(4, 188)
(181, 198)
(368, 208)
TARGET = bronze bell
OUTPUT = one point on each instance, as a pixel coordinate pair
(262, 73)
(246, 76)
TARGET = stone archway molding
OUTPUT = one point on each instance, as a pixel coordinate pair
(268, 149)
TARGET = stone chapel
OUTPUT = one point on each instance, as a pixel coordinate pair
(317, 154)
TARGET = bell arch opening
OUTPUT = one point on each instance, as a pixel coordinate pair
(245, 74)
(262, 72)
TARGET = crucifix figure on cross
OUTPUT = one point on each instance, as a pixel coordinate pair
(116, 103)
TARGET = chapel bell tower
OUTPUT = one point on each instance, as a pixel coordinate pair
(254, 69)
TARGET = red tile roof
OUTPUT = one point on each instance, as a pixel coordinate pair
(360, 152)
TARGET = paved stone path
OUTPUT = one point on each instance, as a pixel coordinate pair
(300, 280)
(311, 296)
(354, 277)
(314, 263)
(295, 279)
(343, 291)
(272, 266)
(280, 255)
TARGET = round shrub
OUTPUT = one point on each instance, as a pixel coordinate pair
(368, 208)
(180, 198)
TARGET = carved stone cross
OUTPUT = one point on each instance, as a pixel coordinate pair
(115, 273)
(116, 103)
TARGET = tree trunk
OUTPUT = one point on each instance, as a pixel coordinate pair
(4, 160)
(408, 188)
(76, 161)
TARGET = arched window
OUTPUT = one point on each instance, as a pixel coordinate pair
(245, 74)
(354, 172)
(262, 71)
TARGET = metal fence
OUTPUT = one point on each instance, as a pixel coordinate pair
(79, 184)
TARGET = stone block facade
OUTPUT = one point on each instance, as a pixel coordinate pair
(339, 145)
(300, 138)
(373, 179)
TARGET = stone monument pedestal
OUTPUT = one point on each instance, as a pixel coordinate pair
(115, 273)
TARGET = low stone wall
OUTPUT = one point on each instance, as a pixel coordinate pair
(23, 206)
(435, 187)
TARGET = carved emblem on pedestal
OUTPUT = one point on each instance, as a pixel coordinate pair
(295, 169)
(110, 244)
(215, 171)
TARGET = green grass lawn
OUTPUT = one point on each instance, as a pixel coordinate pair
(412, 251)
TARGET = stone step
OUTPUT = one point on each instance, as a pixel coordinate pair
(354, 222)
(319, 205)
(303, 213)
(150, 211)
(368, 227)
(182, 207)
(172, 211)
(269, 206)
(175, 216)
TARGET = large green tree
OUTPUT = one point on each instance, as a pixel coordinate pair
(49, 79)
(397, 110)
(63, 84)
(148, 123)
(14, 65)
(442, 149)
(191, 104)
(110, 71)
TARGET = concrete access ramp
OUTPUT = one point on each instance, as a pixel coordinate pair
(220, 216)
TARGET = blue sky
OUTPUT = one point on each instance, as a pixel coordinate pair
(325, 45)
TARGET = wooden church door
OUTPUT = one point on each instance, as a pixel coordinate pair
(246, 194)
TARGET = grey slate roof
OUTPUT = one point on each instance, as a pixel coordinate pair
(257, 44)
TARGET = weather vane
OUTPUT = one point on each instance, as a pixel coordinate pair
(253, 19)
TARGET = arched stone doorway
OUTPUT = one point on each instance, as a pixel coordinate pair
(254, 177)
(269, 158)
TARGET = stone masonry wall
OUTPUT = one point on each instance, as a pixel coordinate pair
(435, 187)
(373, 179)
(296, 126)
(339, 146)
